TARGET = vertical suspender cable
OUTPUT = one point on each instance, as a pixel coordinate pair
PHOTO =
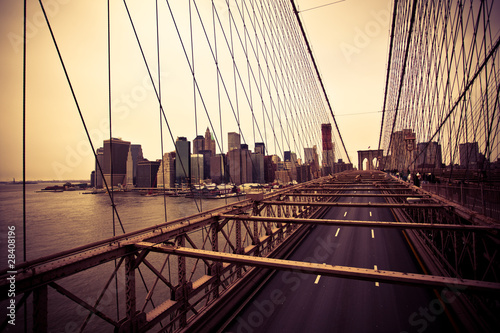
(24, 153)
(403, 70)
(391, 43)
(111, 147)
(197, 167)
(24, 134)
(159, 106)
(318, 74)
(110, 120)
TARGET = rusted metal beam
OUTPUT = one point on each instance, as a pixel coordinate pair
(354, 204)
(328, 270)
(370, 224)
(356, 188)
(82, 303)
(40, 309)
(413, 195)
(39, 275)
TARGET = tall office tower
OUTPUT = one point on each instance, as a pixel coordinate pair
(196, 168)
(209, 142)
(311, 158)
(115, 161)
(269, 169)
(260, 148)
(166, 171)
(218, 169)
(134, 157)
(98, 183)
(308, 155)
(287, 156)
(328, 152)
(303, 173)
(240, 165)
(182, 161)
(198, 144)
(429, 155)
(130, 169)
(234, 141)
(136, 152)
(469, 155)
(258, 168)
(147, 172)
(92, 178)
(207, 156)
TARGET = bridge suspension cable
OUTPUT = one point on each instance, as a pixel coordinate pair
(443, 87)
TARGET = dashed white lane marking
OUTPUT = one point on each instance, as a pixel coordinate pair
(370, 213)
(375, 268)
(345, 214)
(373, 234)
(317, 279)
(337, 233)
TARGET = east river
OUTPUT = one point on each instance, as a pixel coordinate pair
(58, 221)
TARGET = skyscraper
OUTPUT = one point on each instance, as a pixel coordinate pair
(234, 141)
(429, 155)
(196, 168)
(258, 168)
(147, 172)
(469, 154)
(240, 165)
(182, 161)
(260, 148)
(134, 157)
(218, 169)
(98, 183)
(269, 169)
(328, 153)
(198, 144)
(209, 142)
(166, 171)
(115, 161)
(207, 159)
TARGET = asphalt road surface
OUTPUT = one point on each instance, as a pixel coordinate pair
(298, 302)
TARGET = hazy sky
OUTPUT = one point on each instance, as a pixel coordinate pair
(349, 40)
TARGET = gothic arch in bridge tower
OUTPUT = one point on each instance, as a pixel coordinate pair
(370, 155)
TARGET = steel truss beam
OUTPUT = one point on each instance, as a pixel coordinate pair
(413, 195)
(372, 224)
(327, 270)
(357, 188)
(354, 204)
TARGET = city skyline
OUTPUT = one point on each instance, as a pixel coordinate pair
(122, 164)
(350, 61)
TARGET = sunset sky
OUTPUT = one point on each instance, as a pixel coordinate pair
(349, 40)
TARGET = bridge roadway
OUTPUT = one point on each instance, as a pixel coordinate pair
(297, 302)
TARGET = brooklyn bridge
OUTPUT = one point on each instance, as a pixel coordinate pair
(406, 239)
